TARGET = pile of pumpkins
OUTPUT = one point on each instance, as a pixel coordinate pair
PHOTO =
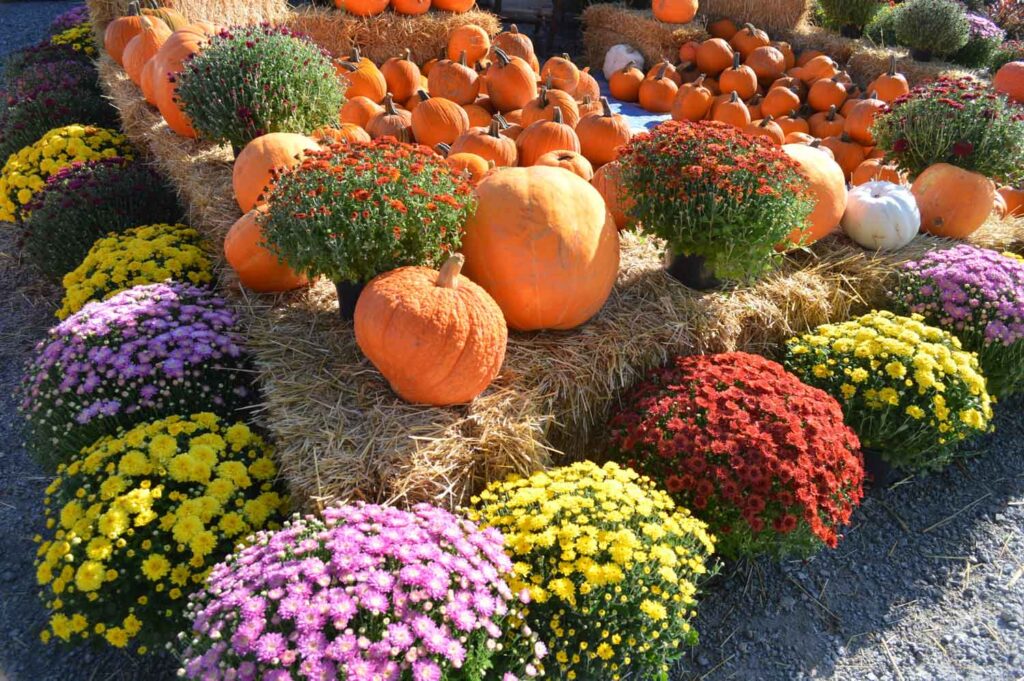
(370, 8)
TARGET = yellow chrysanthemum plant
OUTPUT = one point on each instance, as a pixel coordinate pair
(143, 255)
(909, 390)
(79, 38)
(25, 171)
(137, 521)
(611, 564)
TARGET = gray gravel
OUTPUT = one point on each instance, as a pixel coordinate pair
(25, 23)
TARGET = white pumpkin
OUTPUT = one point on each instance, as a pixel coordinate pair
(618, 57)
(881, 215)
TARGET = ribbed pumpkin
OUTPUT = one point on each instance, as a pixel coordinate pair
(692, 102)
(436, 337)
(454, 80)
(1009, 80)
(514, 44)
(543, 108)
(436, 120)
(401, 76)
(572, 161)
(561, 74)
(954, 202)
(792, 123)
(142, 48)
(252, 177)
(826, 123)
(362, 8)
(748, 39)
(714, 56)
(739, 79)
(861, 118)
(392, 121)
(358, 111)
(625, 83)
(780, 101)
(410, 7)
(147, 81)
(674, 11)
(587, 86)
(488, 144)
(848, 154)
(828, 184)
(168, 16)
(890, 86)
(826, 93)
(658, 93)
(601, 135)
(543, 136)
(121, 30)
(544, 245)
(363, 78)
(767, 128)
(170, 59)
(257, 267)
(479, 117)
(731, 109)
(345, 132)
(589, 107)
(767, 62)
(608, 182)
(511, 83)
(470, 39)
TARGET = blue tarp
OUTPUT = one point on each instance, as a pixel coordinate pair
(638, 119)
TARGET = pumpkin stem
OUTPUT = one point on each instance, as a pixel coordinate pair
(699, 83)
(543, 94)
(356, 55)
(892, 65)
(491, 165)
(587, 100)
(766, 120)
(513, 29)
(502, 56)
(735, 60)
(348, 66)
(873, 94)
(845, 137)
(831, 115)
(756, 99)
(661, 71)
(407, 56)
(501, 121)
(734, 98)
(494, 129)
(557, 116)
(628, 66)
(443, 149)
(448, 276)
(389, 105)
(792, 113)
(462, 57)
(133, 9)
(750, 28)
(565, 56)
(606, 108)
(815, 143)
(423, 95)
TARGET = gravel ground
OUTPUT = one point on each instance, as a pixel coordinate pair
(927, 584)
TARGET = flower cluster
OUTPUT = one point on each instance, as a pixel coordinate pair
(79, 38)
(23, 61)
(709, 190)
(611, 564)
(907, 389)
(69, 18)
(137, 521)
(763, 458)
(368, 592)
(142, 255)
(978, 295)
(147, 352)
(250, 81)
(353, 211)
(957, 121)
(25, 172)
(83, 202)
(1011, 50)
(984, 40)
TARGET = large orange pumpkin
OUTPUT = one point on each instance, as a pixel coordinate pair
(674, 11)
(1009, 80)
(436, 120)
(170, 60)
(543, 136)
(470, 39)
(608, 182)
(602, 134)
(454, 80)
(544, 245)
(510, 82)
(121, 30)
(257, 267)
(954, 202)
(362, 8)
(142, 48)
(252, 177)
(828, 184)
(437, 337)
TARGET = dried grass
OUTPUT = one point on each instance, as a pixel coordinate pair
(340, 432)
(220, 12)
(868, 63)
(605, 25)
(388, 34)
(774, 16)
(808, 37)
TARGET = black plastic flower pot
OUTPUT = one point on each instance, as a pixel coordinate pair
(851, 31)
(920, 55)
(348, 296)
(877, 471)
(691, 271)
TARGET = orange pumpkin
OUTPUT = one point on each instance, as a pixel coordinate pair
(589, 107)
(724, 28)
(739, 79)
(800, 138)
(848, 154)
(542, 136)
(544, 245)
(657, 94)
(608, 182)
(861, 118)
(561, 74)
(826, 93)
(674, 11)
(954, 202)
(793, 123)
(454, 80)
(543, 107)
(1014, 199)
(410, 7)
(364, 79)
(780, 101)
(470, 39)
(170, 59)
(142, 48)
(688, 52)
(458, 6)
(731, 110)
(436, 337)
(256, 266)
(767, 128)
(828, 185)
(168, 16)
(392, 121)
(714, 56)
(147, 81)
(767, 62)
(346, 132)
(359, 110)
(515, 44)
(748, 39)
(121, 30)
(362, 8)
(511, 83)
(436, 120)
(874, 169)
(252, 176)
(479, 117)
(587, 86)
(754, 107)
(1009, 80)
(625, 83)
(601, 135)
(890, 86)
(807, 55)
(788, 56)
(488, 144)
(572, 161)
(826, 123)
(693, 102)
(821, 67)
(401, 76)
(472, 165)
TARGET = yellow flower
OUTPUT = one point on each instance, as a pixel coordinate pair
(605, 651)
(116, 637)
(915, 412)
(896, 369)
(859, 375)
(847, 390)
(89, 576)
(155, 567)
(653, 609)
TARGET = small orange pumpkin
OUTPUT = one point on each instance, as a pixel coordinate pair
(739, 79)
(714, 56)
(142, 48)
(625, 83)
(767, 128)
(602, 134)
(542, 136)
(861, 118)
(543, 107)
(674, 11)
(345, 132)
(362, 8)
(1014, 199)
(748, 39)
(780, 101)
(826, 123)
(608, 182)
(470, 39)
(561, 74)
(793, 123)
(511, 83)
(488, 143)
(457, 6)
(954, 202)
(732, 111)
(587, 86)
(121, 30)
(1009, 80)
(364, 79)
(401, 75)
(410, 7)
(848, 154)
(657, 94)
(890, 86)
(874, 169)
(392, 121)
(358, 111)
(256, 266)
(472, 165)
(436, 120)
(515, 44)
(693, 102)
(826, 93)
(767, 62)
(723, 28)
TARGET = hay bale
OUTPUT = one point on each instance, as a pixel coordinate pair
(605, 25)
(808, 37)
(868, 63)
(341, 434)
(219, 12)
(386, 35)
(774, 16)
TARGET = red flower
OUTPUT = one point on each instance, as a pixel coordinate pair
(963, 149)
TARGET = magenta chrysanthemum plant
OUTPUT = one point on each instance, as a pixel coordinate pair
(368, 592)
(146, 353)
(977, 295)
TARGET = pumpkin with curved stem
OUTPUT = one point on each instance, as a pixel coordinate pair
(891, 85)
(511, 84)
(542, 136)
(142, 48)
(543, 107)
(561, 74)
(608, 182)
(674, 11)
(767, 62)
(881, 216)
(739, 79)
(253, 173)
(470, 39)
(572, 161)
(692, 102)
(391, 122)
(657, 94)
(544, 245)
(828, 187)
(345, 132)
(256, 266)
(714, 56)
(767, 128)
(731, 110)
(848, 154)
(410, 7)
(587, 86)
(954, 202)
(589, 107)
(458, 6)
(401, 76)
(826, 93)
(625, 83)
(827, 123)
(364, 79)
(436, 337)
(121, 30)
(362, 8)
(601, 135)
(489, 144)
(1009, 80)
(666, 69)
(454, 80)
(436, 120)
(860, 119)
(748, 39)
(359, 110)
(514, 44)
(874, 170)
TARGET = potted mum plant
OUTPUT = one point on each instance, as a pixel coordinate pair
(720, 199)
(352, 211)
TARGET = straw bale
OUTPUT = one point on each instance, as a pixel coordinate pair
(771, 15)
(606, 25)
(809, 37)
(386, 35)
(868, 63)
(219, 12)
(341, 434)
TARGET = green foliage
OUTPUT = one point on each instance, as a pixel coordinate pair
(882, 29)
(854, 13)
(256, 80)
(978, 53)
(1011, 50)
(938, 27)
(960, 122)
